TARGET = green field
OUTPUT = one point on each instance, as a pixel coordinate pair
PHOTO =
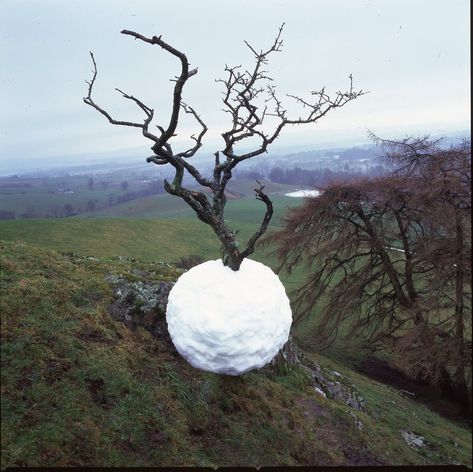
(162, 227)
(145, 239)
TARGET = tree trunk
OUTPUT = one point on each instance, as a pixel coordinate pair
(230, 253)
(231, 258)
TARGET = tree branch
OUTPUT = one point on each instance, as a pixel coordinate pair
(148, 111)
(260, 195)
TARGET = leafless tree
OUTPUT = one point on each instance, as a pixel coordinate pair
(249, 98)
(391, 258)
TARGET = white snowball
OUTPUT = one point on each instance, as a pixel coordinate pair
(228, 322)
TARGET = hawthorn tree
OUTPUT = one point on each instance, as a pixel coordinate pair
(391, 259)
(249, 97)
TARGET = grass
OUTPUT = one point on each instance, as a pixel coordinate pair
(79, 389)
(144, 239)
(165, 240)
(156, 206)
(389, 412)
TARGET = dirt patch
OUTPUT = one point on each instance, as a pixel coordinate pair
(336, 437)
(92, 335)
(157, 437)
(310, 407)
(97, 391)
(55, 370)
(361, 456)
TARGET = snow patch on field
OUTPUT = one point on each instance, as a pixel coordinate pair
(228, 322)
(303, 193)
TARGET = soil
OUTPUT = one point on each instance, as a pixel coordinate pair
(420, 392)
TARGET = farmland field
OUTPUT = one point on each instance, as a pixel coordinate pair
(119, 194)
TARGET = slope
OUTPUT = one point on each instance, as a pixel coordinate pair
(79, 389)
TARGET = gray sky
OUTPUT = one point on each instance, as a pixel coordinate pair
(412, 55)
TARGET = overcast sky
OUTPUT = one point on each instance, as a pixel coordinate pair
(411, 55)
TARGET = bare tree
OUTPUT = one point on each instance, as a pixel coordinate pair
(391, 258)
(242, 95)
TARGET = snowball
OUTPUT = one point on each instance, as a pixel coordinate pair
(228, 322)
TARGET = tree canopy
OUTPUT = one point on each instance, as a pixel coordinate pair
(391, 259)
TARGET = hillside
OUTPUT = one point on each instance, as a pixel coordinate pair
(146, 239)
(242, 206)
(80, 389)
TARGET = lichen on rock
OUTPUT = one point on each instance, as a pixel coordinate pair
(413, 440)
(141, 303)
(322, 379)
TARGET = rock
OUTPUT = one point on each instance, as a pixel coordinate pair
(338, 390)
(140, 304)
(412, 439)
(358, 423)
(321, 379)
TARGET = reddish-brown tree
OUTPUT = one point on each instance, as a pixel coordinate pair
(392, 257)
(244, 100)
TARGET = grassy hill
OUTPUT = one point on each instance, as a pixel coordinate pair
(147, 239)
(79, 389)
(144, 239)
